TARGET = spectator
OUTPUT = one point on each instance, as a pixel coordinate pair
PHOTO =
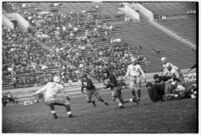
(70, 35)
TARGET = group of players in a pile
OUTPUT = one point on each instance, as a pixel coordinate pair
(134, 72)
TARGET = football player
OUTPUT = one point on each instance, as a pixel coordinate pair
(169, 69)
(52, 96)
(134, 71)
(90, 91)
(110, 81)
(161, 79)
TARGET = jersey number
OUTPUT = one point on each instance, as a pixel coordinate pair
(85, 83)
(134, 68)
(53, 85)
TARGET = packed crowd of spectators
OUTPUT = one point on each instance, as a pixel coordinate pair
(81, 42)
(21, 55)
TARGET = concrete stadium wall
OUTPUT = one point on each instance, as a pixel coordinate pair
(130, 12)
(22, 22)
(147, 13)
(6, 22)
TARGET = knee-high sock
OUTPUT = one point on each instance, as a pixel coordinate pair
(133, 93)
(100, 99)
(121, 100)
(52, 108)
(139, 93)
(68, 108)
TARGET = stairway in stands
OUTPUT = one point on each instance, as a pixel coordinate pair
(182, 25)
(149, 37)
(173, 34)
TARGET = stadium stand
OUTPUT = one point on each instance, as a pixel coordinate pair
(148, 37)
(104, 8)
(178, 24)
(74, 42)
(170, 8)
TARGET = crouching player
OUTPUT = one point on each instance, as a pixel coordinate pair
(52, 97)
(177, 91)
(90, 91)
(174, 88)
(110, 81)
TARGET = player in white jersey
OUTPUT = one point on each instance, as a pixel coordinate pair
(54, 95)
(169, 69)
(134, 71)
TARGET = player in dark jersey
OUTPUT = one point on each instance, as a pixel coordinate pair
(90, 91)
(110, 81)
(161, 79)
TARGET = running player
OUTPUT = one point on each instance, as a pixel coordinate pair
(134, 71)
(110, 81)
(52, 97)
(90, 91)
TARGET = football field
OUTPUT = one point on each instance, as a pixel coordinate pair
(176, 116)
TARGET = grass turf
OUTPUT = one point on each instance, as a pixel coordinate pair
(178, 116)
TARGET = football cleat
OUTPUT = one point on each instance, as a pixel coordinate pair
(135, 100)
(36, 101)
(131, 99)
(138, 101)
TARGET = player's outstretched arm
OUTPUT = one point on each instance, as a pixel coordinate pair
(40, 91)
